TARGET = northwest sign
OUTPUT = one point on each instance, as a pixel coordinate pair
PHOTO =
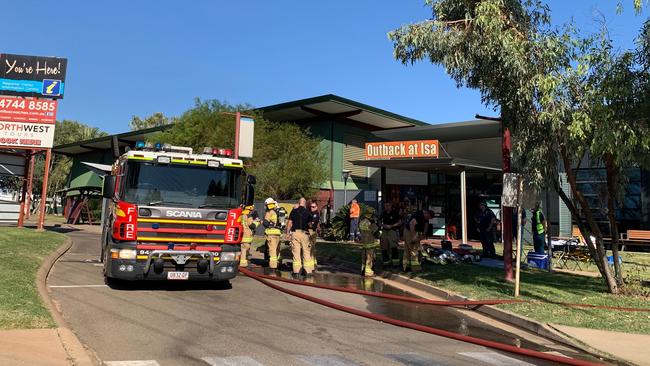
(402, 149)
(23, 134)
(27, 110)
(32, 75)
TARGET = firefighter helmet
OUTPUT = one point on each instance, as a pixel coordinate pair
(269, 201)
(248, 209)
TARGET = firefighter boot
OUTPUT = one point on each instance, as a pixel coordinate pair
(395, 257)
(385, 259)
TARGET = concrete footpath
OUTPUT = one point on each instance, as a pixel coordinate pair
(631, 347)
(58, 346)
(32, 347)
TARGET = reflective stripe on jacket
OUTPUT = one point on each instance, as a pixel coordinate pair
(540, 226)
(272, 217)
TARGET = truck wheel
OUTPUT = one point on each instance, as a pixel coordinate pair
(111, 282)
(104, 244)
(223, 285)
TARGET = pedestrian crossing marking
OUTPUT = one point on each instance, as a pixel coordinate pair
(132, 363)
(231, 361)
(326, 360)
(494, 358)
(415, 359)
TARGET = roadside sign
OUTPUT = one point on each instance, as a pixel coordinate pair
(26, 135)
(33, 76)
(28, 110)
(510, 195)
(245, 137)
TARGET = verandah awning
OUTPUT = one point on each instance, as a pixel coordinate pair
(430, 164)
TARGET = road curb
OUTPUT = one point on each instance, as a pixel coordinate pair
(533, 326)
(77, 353)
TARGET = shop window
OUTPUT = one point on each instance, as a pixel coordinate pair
(593, 185)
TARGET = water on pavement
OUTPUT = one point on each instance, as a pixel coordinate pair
(440, 317)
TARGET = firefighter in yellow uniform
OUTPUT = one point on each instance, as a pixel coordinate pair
(272, 231)
(369, 234)
(417, 229)
(249, 221)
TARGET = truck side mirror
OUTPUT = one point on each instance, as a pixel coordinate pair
(108, 188)
(249, 198)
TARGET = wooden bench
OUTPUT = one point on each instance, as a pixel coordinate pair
(636, 238)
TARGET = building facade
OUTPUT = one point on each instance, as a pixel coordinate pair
(467, 170)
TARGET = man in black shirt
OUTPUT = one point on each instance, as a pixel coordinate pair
(314, 229)
(487, 222)
(300, 246)
(390, 221)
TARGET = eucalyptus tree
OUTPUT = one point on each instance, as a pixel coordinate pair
(570, 100)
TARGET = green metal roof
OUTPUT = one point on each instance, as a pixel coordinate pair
(334, 104)
(104, 142)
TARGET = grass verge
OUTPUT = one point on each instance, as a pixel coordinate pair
(636, 265)
(21, 254)
(479, 282)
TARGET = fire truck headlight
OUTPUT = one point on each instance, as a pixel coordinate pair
(127, 253)
(228, 256)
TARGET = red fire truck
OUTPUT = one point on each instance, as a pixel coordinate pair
(173, 215)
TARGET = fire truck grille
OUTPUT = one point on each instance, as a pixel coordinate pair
(181, 232)
(166, 225)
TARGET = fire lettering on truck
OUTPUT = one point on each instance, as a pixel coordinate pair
(129, 228)
(186, 214)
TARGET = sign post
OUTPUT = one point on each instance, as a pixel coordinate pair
(513, 196)
(30, 185)
(518, 256)
(23, 191)
(41, 208)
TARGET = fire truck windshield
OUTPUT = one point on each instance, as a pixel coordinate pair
(178, 185)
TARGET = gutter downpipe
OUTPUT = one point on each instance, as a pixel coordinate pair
(330, 203)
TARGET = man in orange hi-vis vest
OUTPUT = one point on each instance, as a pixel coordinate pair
(355, 213)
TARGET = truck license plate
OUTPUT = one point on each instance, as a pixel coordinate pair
(178, 275)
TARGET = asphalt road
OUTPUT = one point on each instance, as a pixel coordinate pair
(248, 324)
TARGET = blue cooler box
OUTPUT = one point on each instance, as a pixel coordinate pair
(538, 260)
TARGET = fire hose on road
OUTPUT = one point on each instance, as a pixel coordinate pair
(461, 303)
(457, 336)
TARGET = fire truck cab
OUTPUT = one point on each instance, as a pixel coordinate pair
(174, 215)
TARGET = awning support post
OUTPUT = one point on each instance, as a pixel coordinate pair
(463, 205)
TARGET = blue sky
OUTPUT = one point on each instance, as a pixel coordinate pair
(130, 58)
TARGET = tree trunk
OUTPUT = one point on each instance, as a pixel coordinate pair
(612, 193)
(597, 250)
